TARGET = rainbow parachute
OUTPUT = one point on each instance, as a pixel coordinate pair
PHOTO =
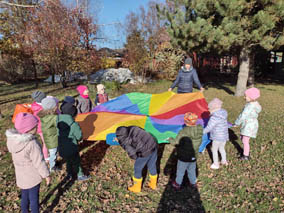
(160, 114)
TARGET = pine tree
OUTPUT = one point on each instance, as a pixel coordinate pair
(234, 26)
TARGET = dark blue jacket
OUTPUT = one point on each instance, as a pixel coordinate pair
(185, 79)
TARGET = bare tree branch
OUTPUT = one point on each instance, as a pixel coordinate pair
(18, 5)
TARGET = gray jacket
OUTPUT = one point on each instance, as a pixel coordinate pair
(185, 79)
(83, 105)
(218, 126)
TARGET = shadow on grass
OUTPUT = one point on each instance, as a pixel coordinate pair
(62, 187)
(93, 155)
(185, 200)
(233, 139)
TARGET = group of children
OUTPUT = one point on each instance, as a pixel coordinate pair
(60, 133)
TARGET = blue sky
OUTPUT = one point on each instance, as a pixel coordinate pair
(112, 11)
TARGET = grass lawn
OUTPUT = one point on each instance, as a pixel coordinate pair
(253, 186)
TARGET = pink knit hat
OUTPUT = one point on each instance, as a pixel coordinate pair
(25, 122)
(253, 93)
(216, 103)
(81, 90)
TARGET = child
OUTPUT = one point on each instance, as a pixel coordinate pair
(84, 104)
(101, 96)
(29, 164)
(248, 119)
(36, 107)
(141, 147)
(189, 139)
(218, 128)
(48, 118)
(68, 99)
(69, 133)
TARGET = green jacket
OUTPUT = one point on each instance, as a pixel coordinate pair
(188, 140)
(69, 133)
(48, 127)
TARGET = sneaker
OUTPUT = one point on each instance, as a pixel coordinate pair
(244, 157)
(225, 163)
(194, 186)
(83, 178)
(213, 166)
(176, 185)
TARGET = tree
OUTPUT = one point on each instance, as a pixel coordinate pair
(226, 26)
(60, 39)
(145, 33)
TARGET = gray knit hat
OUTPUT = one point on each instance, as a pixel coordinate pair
(188, 61)
(38, 96)
(48, 103)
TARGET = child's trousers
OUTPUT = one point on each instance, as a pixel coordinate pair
(190, 167)
(216, 145)
(73, 165)
(52, 157)
(245, 140)
(151, 164)
(30, 198)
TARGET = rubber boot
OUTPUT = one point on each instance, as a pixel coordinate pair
(153, 181)
(136, 188)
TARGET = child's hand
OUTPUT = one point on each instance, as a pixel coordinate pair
(48, 179)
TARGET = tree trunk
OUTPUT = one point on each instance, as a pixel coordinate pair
(35, 73)
(243, 72)
(251, 71)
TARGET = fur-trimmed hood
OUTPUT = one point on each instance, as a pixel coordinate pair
(16, 141)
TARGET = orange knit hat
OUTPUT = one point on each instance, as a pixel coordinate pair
(190, 119)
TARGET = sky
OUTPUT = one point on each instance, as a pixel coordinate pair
(114, 11)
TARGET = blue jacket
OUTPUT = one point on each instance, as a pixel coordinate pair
(218, 126)
(185, 79)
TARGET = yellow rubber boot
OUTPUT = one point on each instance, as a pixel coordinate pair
(153, 181)
(136, 188)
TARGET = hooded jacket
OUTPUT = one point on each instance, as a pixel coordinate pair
(27, 156)
(136, 141)
(218, 126)
(185, 79)
(83, 105)
(49, 128)
(188, 140)
(36, 108)
(248, 119)
(69, 133)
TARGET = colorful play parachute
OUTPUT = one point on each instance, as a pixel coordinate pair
(160, 114)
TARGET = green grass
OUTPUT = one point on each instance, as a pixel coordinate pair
(253, 186)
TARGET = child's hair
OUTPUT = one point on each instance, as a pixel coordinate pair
(25, 122)
(100, 88)
(253, 93)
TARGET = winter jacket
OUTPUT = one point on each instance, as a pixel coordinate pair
(185, 79)
(27, 156)
(218, 126)
(49, 128)
(69, 133)
(136, 141)
(248, 119)
(101, 98)
(188, 140)
(83, 105)
(36, 108)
